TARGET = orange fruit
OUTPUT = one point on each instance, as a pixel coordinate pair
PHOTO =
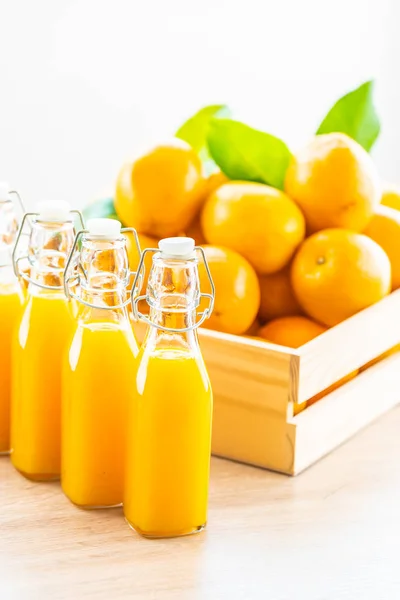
(253, 329)
(237, 292)
(391, 196)
(195, 231)
(335, 183)
(214, 181)
(258, 221)
(292, 332)
(160, 192)
(277, 297)
(336, 273)
(133, 256)
(384, 228)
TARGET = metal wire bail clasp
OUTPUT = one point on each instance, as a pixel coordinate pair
(6, 193)
(23, 233)
(74, 272)
(205, 314)
(13, 192)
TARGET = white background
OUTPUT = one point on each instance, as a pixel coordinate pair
(86, 83)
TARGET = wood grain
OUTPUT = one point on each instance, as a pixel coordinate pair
(345, 411)
(349, 346)
(332, 533)
(248, 371)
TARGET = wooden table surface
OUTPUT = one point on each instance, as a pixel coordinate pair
(333, 533)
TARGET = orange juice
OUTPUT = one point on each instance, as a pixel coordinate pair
(169, 429)
(40, 341)
(39, 344)
(97, 381)
(170, 442)
(10, 308)
(98, 369)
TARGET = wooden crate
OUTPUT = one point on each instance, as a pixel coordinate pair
(256, 385)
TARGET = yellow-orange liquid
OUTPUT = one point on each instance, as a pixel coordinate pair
(38, 347)
(10, 309)
(98, 379)
(169, 443)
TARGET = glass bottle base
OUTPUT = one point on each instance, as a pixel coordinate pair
(94, 506)
(159, 535)
(39, 477)
(90, 505)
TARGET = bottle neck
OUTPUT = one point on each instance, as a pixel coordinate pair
(48, 249)
(51, 277)
(106, 306)
(8, 222)
(173, 297)
(181, 340)
(103, 269)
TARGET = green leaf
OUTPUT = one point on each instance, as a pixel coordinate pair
(242, 152)
(194, 130)
(355, 115)
(103, 208)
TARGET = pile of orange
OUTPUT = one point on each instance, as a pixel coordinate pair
(287, 264)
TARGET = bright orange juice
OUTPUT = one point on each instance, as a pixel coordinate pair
(10, 309)
(169, 444)
(39, 344)
(98, 377)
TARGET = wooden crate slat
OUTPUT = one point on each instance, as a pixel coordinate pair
(348, 346)
(252, 434)
(244, 371)
(339, 415)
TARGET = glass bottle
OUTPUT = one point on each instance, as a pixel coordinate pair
(11, 211)
(99, 368)
(169, 433)
(40, 340)
(11, 299)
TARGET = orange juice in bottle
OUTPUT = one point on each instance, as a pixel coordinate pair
(11, 299)
(169, 429)
(40, 341)
(98, 369)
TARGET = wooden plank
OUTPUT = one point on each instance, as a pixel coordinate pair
(342, 413)
(348, 346)
(247, 371)
(252, 434)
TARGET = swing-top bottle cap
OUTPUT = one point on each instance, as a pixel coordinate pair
(177, 247)
(109, 229)
(4, 191)
(53, 211)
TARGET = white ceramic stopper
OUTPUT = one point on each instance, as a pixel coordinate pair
(56, 212)
(4, 191)
(177, 247)
(104, 228)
